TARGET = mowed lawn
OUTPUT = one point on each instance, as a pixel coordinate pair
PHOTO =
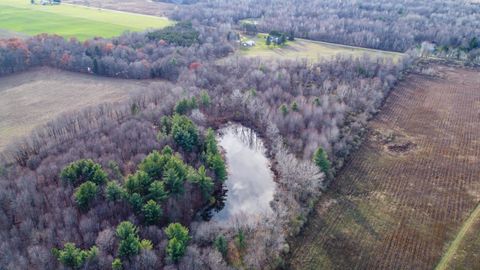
(309, 49)
(72, 21)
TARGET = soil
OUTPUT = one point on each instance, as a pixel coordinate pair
(402, 197)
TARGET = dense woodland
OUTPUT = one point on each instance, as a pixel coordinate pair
(388, 25)
(122, 186)
(306, 106)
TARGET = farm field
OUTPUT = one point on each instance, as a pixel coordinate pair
(309, 49)
(410, 189)
(464, 251)
(72, 20)
(34, 97)
(136, 6)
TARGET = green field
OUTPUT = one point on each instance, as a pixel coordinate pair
(312, 50)
(71, 20)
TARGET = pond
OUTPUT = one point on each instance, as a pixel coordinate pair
(250, 187)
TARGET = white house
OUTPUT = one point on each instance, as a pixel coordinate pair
(248, 43)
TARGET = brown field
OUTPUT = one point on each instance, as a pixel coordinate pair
(405, 194)
(5, 34)
(146, 7)
(34, 97)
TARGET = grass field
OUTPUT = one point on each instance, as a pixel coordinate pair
(405, 197)
(312, 50)
(35, 97)
(71, 20)
(464, 251)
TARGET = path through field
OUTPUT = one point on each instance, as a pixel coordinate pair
(404, 195)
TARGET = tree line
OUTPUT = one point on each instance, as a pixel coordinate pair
(388, 25)
(161, 53)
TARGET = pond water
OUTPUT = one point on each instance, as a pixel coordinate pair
(250, 186)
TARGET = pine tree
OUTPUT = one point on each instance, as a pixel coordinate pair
(321, 160)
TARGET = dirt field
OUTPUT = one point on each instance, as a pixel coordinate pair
(147, 7)
(404, 196)
(9, 34)
(33, 98)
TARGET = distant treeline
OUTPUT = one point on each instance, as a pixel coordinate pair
(157, 54)
(390, 25)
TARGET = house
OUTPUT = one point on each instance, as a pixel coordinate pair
(427, 48)
(49, 2)
(248, 43)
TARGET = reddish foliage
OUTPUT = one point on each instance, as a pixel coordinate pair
(194, 66)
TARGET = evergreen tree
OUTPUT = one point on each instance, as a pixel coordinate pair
(157, 191)
(117, 264)
(114, 192)
(152, 212)
(73, 257)
(184, 132)
(85, 194)
(204, 99)
(83, 170)
(173, 182)
(177, 241)
(221, 245)
(284, 109)
(217, 164)
(130, 243)
(320, 158)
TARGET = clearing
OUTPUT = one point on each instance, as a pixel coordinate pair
(72, 20)
(309, 49)
(148, 7)
(405, 194)
(34, 97)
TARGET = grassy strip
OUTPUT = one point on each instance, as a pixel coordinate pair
(452, 249)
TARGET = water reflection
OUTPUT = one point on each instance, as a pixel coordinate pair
(249, 188)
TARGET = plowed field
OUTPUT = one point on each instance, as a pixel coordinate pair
(404, 195)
